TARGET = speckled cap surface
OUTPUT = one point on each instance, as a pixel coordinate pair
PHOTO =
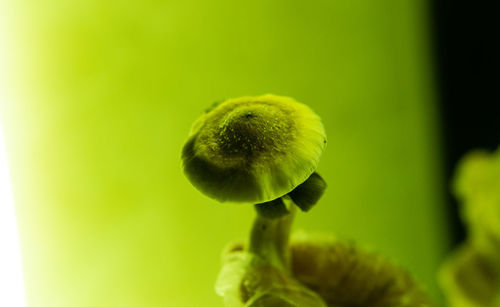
(253, 149)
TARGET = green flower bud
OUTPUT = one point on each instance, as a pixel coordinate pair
(253, 149)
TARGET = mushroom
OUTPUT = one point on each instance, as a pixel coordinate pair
(256, 150)
(262, 150)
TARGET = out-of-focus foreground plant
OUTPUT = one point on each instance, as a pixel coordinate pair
(471, 276)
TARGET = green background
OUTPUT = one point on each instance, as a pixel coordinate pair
(106, 91)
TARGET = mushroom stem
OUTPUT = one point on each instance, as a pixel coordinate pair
(269, 239)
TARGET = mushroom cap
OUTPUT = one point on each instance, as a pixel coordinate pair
(253, 149)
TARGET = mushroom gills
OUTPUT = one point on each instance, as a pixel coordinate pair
(272, 209)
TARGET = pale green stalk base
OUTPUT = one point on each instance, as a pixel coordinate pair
(269, 239)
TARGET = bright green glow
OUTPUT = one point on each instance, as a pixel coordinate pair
(111, 89)
(11, 272)
(11, 277)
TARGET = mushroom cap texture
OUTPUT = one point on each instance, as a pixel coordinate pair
(253, 149)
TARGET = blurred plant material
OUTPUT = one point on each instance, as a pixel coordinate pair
(323, 272)
(471, 276)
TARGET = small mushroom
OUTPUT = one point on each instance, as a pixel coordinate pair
(255, 150)
(262, 150)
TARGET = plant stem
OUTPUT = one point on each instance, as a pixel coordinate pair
(269, 239)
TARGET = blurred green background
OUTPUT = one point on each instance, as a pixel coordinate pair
(106, 92)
